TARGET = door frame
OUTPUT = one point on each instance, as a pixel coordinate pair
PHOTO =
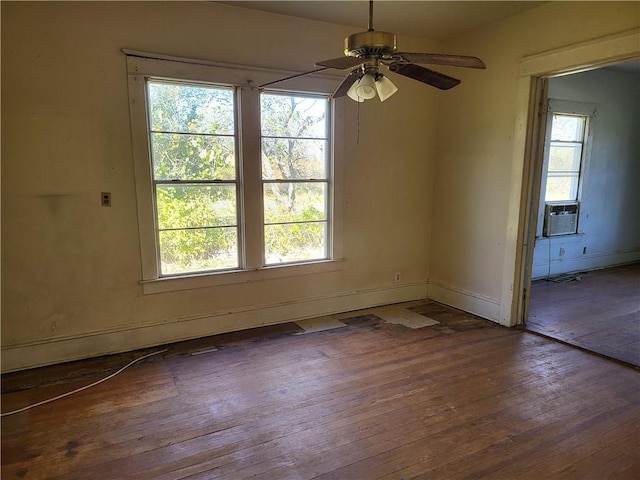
(531, 104)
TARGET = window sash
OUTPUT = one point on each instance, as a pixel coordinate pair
(316, 231)
(565, 158)
(189, 248)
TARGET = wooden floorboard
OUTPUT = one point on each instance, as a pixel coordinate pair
(464, 398)
(600, 312)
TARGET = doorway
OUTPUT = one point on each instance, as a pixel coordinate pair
(582, 263)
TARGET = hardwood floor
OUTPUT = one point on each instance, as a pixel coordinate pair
(600, 313)
(461, 399)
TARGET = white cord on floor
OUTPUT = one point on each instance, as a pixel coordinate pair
(6, 414)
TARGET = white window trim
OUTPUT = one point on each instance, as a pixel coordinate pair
(139, 67)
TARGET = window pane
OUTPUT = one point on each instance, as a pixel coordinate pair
(184, 251)
(190, 108)
(294, 202)
(293, 159)
(563, 187)
(191, 206)
(568, 128)
(193, 157)
(293, 116)
(565, 157)
(295, 242)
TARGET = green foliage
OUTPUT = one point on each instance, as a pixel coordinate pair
(193, 157)
(192, 140)
(294, 242)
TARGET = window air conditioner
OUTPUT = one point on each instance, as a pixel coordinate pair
(560, 219)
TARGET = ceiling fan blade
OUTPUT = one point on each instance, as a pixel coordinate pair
(344, 87)
(341, 63)
(443, 59)
(424, 75)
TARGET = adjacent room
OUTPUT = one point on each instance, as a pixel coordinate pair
(586, 276)
(216, 267)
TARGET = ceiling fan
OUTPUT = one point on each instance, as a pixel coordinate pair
(365, 54)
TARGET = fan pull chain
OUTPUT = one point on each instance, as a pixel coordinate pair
(358, 123)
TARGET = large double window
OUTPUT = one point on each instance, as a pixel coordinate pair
(229, 178)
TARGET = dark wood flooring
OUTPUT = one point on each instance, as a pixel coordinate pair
(600, 312)
(462, 399)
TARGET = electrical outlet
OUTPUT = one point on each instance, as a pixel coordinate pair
(105, 197)
(398, 277)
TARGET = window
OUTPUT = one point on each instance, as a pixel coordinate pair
(568, 133)
(193, 153)
(295, 147)
(565, 157)
(231, 180)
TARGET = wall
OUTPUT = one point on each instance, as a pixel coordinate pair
(609, 218)
(71, 268)
(479, 163)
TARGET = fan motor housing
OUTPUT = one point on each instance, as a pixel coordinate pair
(363, 44)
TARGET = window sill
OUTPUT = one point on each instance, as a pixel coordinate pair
(191, 282)
(568, 238)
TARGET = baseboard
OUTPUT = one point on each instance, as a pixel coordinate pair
(64, 349)
(480, 305)
(584, 263)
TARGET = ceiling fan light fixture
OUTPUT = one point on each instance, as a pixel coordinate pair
(385, 88)
(366, 87)
(366, 52)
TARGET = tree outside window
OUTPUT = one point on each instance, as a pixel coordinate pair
(197, 192)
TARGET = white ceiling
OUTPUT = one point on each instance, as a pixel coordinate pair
(434, 20)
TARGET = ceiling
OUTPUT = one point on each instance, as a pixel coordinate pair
(435, 20)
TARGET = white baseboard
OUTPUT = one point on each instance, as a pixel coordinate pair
(485, 307)
(584, 263)
(63, 349)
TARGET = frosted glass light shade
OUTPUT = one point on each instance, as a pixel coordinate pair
(366, 87)
(385, 88)
(352, 94)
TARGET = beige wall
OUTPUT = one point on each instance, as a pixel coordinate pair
(70, 268)
(479, 162)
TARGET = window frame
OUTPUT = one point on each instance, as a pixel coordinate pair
(142, 66)
(570, 108)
